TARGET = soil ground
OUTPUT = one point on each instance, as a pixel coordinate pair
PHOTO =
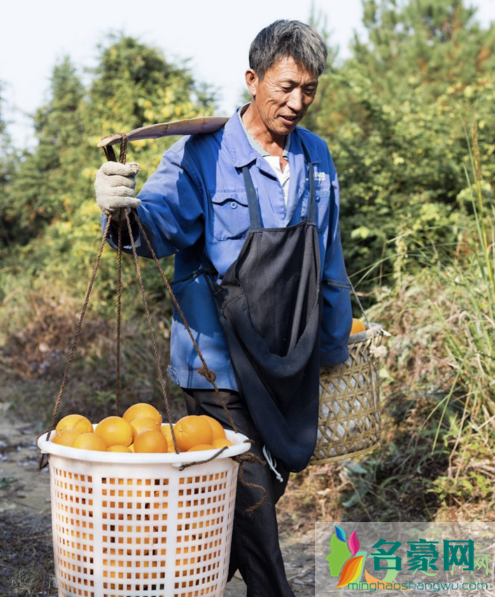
(26, 557)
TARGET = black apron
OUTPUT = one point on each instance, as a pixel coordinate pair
(269, 305)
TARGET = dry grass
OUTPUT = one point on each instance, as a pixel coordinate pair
(26, 555)
(33, 359)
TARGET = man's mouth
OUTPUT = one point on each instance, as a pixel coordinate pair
(288, 119)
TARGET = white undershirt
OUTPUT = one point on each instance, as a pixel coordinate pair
(283, 177)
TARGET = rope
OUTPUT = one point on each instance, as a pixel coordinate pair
(209, 374)
(122, 159)
(150, 328)
(240, 459)
(188, 464)
(250, 457)
(123, 149)
(44, 458)
(109, 153)
(119, 314)
(359, 303)
(245, 458)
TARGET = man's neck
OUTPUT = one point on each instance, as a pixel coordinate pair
(274, 145)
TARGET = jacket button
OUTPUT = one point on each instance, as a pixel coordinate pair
(233, 205)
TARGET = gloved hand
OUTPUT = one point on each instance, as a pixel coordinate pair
(115, 186)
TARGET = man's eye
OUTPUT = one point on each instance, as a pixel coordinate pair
(310, 91)
(286, 88)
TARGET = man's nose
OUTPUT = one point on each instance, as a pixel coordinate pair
(296, 100)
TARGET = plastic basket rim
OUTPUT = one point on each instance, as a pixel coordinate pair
(239, 447)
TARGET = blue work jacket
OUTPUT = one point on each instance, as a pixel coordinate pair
(198, 192)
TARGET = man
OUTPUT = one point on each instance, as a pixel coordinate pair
(251, 214)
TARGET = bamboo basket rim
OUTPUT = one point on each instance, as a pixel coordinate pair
(348, 456)
(375, 330)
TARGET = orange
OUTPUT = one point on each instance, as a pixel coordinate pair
(221, 443)
(150, 441)
(166, 430)
(200, 447)
(118, 449)
(74, 423)
(357, 326)
(143, 424)
(191, 431)
(66, 438)
(216, 427)
(90, 441)
(142, 409)
(115, 431)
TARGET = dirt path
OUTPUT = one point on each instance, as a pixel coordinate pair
(26, 557)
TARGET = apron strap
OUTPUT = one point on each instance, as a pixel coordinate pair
(312, 195)
(254, 208)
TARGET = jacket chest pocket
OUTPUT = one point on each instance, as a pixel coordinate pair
(322, 197)
(229, 214)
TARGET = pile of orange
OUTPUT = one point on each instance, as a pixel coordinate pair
(141, 430)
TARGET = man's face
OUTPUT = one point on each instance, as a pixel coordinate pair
(284, 95)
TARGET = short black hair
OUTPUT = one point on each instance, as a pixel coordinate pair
(288, 38)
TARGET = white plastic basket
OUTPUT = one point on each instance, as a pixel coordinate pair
(134, 525)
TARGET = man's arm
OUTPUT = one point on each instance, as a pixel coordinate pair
(171, 209)
(337, 312)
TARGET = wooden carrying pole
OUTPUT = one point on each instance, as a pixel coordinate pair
(191, 126)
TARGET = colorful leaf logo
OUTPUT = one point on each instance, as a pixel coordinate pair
(351, 571)
(354, 544)
(340, 533)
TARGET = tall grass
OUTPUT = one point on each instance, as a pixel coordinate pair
(470, 284)
(439, 377)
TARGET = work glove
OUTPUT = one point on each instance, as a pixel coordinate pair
(115, 187)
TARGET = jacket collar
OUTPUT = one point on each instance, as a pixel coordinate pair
(241, 151)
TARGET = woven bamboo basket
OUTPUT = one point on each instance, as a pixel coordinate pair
(349, 421)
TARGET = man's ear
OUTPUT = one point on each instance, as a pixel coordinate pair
(252, 81)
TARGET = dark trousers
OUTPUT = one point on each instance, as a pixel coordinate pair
(255, 548)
